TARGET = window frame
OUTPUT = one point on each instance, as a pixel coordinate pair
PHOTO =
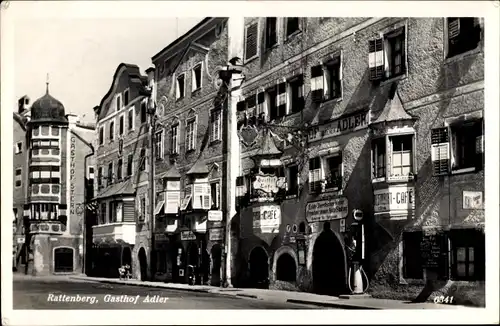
(143, 160)
(376, 143)
(100, 174)
(215, 136)
(295, 32)
(266, 33)
(452, 130)
(102, 135)
(335, 60)
(317, 183)
(119, 169)
(193, 76)
(130, 165)
(121, 124)
(446, 40)
(387, 36)
(174, 141)
(126, 99)
(159, 154)
(178, 95)
(118, 97)
(217, 184)
(131, 127)
(295, 81)
(144, 108)
(292, 192)
(111, 130)
(110, 173)
(191, 146)
(412, 154)
(325, 168)
(19, 147)
(19, 177)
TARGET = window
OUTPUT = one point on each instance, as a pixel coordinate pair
(142, 212)
(19, 147)
(102, 214)
(110, 173)
(333, 172)
(215, 124)
(466, 144)
(215, 194)
(293, 180)
(296, 94)
(119, 169)
(126, 97)
(378, 157)
(122, 125)
(118, 102)
(159, 145)
(401, 155)
(101, 136)
(111, 130)
(271, 103)
(112, 212)
(314, 174)
(179, 89)
(19, 177)
(333, 79)
(196, 77)
(440, 149)
(317, 83)
(44, 211)
(99, 176)
(292, 25)
(143, 159)
(130, 162)
(270, 32)
(412, 257)
(143, 112)
(131, 119)
(387, 55)
(251, 39)
(260, 110)
(190, 135)
(467, 254)
(464, 35)
(174, 146)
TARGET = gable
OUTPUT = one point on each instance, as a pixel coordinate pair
(193, 50)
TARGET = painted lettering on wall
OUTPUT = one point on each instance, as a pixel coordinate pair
(394, 199)
(324, 210)
(340, 126)
(72, 176)
(267, 218)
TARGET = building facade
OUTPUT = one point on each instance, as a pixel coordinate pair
(120, 225)
(20, 160)
(344, 114)
(58, 148)
(189, 161)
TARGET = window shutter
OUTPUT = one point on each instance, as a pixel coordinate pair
(314, 180)
(172, 200)
(217, 195)
(376, 59)
(440, 147)
(317, 83)
(198, 194)
(251, 41)
(207, 200)
(453, 27)
(281, 99)
(177, 90)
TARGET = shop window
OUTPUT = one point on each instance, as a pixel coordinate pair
(332, 167)
(295, 92)
(271, 39)
(467, 255)
(293, 180)
(315, 174)
(251, 41)
(378, 157)
(387, 55)
(466, 145)
(401, 155)
(179, 88)
(292, 25)
(464, 34)
(412, 261)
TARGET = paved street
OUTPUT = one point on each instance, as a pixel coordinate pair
(33, 293)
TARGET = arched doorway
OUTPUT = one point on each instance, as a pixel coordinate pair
(286, 270)
(63, 260)
(143, 262)
(328, 264)
(259, 268)
(216, 254)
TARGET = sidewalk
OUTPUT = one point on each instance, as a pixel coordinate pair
(282, 296)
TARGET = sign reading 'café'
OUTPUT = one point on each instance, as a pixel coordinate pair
(354, 122)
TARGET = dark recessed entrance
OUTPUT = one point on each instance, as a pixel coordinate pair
(259, 268)
(63, 260)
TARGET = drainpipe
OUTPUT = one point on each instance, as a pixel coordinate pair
(84, 263)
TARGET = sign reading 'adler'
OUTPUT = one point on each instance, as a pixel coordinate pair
(340, 126)
(325, 210)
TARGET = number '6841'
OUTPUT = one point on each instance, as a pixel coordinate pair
(443, 299)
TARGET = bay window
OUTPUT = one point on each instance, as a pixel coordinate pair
(378, 155)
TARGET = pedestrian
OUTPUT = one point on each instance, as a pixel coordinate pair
(121, 272)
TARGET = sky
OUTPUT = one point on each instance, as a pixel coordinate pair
(81, 55)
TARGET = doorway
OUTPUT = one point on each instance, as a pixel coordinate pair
(216, 265)
(143, 262)
(286, 270)
(328, 264)
(127, 257)
(194, 261)
(259, 268)
(63, 260)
